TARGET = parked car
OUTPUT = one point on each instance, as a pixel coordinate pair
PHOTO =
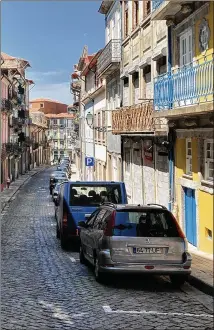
(135, 239)
(57, 175)
(56, 189)
(77, 200)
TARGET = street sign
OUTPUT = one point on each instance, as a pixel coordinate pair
(89, 161)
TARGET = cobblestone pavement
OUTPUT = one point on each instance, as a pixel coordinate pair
(43, 287)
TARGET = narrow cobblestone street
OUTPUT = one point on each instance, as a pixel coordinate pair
(43, 287)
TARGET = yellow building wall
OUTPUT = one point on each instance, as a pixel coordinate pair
(205, 200)
(205, 221)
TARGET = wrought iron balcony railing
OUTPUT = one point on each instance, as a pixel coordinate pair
(111, 54)
(6, 105)
(156, 4)
(191, 84)
(137, 118)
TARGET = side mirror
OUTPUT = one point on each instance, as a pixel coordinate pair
(82, 224)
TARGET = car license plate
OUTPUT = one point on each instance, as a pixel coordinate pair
(147, 250)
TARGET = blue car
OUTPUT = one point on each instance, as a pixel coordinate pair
(78, 200)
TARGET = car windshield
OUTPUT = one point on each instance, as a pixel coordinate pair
(148, 223)
(94, 195)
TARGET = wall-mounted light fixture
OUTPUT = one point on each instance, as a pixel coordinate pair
(90, 122)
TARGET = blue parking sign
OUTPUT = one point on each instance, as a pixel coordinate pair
(89, 161)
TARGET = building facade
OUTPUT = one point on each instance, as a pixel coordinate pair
(143, 138)
(108, 68)
(184, 95)
(48, 106)
(77, 88)
(14, 117)
(60, 130)
(40, 150)
(94, 100)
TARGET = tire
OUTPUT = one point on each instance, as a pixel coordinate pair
(57, 232)
(100, 277)
(81, 255)
(178, 280)
(63, 242)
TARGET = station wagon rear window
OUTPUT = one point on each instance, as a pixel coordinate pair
(94, 195)
(148, 223)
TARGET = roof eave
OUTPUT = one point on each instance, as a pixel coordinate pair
(105, 6)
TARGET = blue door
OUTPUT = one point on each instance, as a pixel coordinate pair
(190, 216)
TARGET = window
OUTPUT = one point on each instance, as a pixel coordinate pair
(41, 105)
(126, 19)
(90, 195)
(146, 8)
(92, 218)
(209, 160)
(189, 157)
(55, 121)
(146, 223)
(135, 13)
(186, 54)
(98, 222)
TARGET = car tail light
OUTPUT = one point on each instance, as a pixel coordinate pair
(186, 267)
(180, 232)
(108, 231)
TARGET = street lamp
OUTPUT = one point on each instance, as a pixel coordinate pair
(90, 123)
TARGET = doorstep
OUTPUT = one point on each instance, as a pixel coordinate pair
(202, 270)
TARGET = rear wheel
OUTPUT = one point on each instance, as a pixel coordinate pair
(178, 280)
(100, 277)
(81, 255)
(63, 242)
(57, 232)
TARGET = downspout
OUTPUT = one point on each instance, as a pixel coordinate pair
(121, 91)
(94, 169)
(171, 151)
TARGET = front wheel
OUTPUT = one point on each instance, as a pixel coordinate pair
(178, 280)
(100, 277)
(81, 255)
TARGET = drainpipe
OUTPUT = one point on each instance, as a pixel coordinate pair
(121, 93)
(171, 151)
(93, 142)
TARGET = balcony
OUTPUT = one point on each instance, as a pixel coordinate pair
(161, 9)
(185, 87)
(6, 105)
(134, 119)
(109, 59)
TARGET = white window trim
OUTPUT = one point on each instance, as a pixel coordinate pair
(183, 35)
(188, 157)
(208, 160)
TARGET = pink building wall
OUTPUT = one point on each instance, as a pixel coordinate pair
(4, 116)
(4, 134)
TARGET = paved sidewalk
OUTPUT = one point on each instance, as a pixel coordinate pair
(202, 271)
(7, 194)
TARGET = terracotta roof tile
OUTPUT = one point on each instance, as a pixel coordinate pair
(46, 100)
(9, 57)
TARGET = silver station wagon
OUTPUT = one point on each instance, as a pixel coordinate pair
(135, 239)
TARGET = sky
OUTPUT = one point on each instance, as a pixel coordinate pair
(51, 36)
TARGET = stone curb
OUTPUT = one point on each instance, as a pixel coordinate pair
(21, 185)
(201, 285)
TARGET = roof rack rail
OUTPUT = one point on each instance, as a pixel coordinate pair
(109, 203)
(155, 204)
